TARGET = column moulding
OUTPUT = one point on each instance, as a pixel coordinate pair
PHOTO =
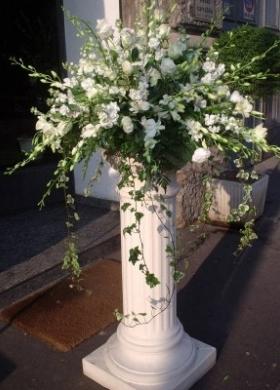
(157, 355)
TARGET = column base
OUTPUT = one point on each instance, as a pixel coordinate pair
(95, 367)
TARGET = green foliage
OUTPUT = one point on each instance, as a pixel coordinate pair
(248, 44)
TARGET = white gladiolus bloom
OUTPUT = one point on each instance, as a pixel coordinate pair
(260, 132)
(211, 119)
(154, 43)
(195, 129)
(151, 127)
(89, 131)
(176, 49)
(90, 87)
(104, 29)
(86, 66)
(43, 125)
(167, 66)
(201, 155)
(127, 124)
(108, 115)
(64, 110)
(154, 77)
(209, 66)
(244, 107)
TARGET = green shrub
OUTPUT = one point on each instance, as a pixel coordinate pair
(241, 45)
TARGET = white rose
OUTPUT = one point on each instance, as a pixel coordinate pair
(235, 97)
(201, 155)
(127, 67)
(103, 29)
(89, 131)
(176, 49)
(260, 132)
(167, 66)
(164, 30)
(127, 124)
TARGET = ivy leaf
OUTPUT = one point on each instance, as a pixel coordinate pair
(129, 229)
(134, 254)
(177, 276)
(151, 280)
(125, 206)
(138, 216)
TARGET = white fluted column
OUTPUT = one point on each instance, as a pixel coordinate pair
(150, 349)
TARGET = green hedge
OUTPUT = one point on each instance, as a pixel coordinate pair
(244, 43)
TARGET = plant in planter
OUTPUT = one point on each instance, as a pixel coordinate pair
(150, 106)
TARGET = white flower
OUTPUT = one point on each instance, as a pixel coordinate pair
(209, 66)
(164, 30)
(86, 66)
(220, 70)
(195, 128)
(139, 105)
(176, 49)
(244, 107)
(63, 110)
(207, 78)
(223, 90)
(199, 103)
(154, 76)
(103, 29)
(201, 155)
(214, 129)
(154, 43)
(43, 125)
(128, 37)
(89, 131)
(235, 97)
(211, 119)
(260, 132)
(127, 124)
(151, 127)
(108, 115)
(127, 67)
(167, 66)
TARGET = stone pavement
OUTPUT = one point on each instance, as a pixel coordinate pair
(228, 302)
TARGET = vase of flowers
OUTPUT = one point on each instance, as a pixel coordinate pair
(150, 105)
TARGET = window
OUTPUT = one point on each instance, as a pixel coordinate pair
(272, 14)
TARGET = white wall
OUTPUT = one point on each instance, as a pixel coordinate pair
(91, 10)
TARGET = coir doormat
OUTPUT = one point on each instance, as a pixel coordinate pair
(64, 317)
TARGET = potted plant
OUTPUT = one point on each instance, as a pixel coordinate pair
(148, 104)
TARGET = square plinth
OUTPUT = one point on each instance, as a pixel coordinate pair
(95, 368)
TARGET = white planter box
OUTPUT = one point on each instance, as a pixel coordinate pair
(227, 195)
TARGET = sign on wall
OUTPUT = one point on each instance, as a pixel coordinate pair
(249, 9)
(204, 10)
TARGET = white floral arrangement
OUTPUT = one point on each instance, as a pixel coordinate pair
(138, 94)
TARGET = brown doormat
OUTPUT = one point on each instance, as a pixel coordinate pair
(64, 317)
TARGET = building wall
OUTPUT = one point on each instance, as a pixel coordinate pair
(91, 10)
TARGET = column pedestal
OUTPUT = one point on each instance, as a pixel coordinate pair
(150, 349)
